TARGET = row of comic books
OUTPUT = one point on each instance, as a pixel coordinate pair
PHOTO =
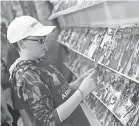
(116, 48)
(119, 94)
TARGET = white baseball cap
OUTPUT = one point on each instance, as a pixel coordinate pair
(24, 26)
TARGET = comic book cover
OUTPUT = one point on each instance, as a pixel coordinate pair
(85, 41)
(100, 111)
(89, 41)
(77, 65)
(134, 120)
(127, 54)
(137, 75)
(113, 121)
(61, 35)
(124, 49)
(104, 50)
(128, 103)
(72, 37)
(67, 35)
(93, 43)
(117, 53)
(91, 101)
(128, 30)
(108, 119)
(100, 107)
(90, 38)
(116, 87)
(84, 66)
(72, 61)
(69, 57)
(118, 33)
(82, 39)
(79, 31)
(100, 91)
(132, 68)
(103, 116)
(104, 82)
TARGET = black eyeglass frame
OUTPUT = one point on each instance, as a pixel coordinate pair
(42, 41)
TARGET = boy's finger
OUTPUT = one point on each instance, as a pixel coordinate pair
(93, 74)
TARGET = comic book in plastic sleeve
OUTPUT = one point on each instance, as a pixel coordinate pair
(68, 35)
(108, 119)
(114, 91)
(90, 101)
(103, 116)
(93, 44)
(132, 69)
(104, 50)
(72, 36)
(61, 35)
(82, 39)
(127, 104)
(127, 54)
(79, 33)
(134, 120)
(117, 53)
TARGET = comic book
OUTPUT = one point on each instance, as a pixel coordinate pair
(103, 51)
(72, 36)
(123, 51)
(132, 69)
(91, 101)
(127, 105)
(89, 41)
(134, 120)
(103, 116)
(108, 119)
(79, 32)
(92, 44)
(117, 53)
(62, 35)
(127, 54)
(114, 91)
(82, 39)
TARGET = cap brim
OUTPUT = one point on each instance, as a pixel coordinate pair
(45, 30)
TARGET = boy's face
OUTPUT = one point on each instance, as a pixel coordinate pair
(34, 46)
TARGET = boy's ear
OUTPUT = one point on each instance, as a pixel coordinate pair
(21, 44)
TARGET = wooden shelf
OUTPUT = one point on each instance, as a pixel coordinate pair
(74, 9)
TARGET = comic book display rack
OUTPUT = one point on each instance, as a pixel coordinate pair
(116, 51)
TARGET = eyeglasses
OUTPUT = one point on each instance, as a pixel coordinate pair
(42, 41)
